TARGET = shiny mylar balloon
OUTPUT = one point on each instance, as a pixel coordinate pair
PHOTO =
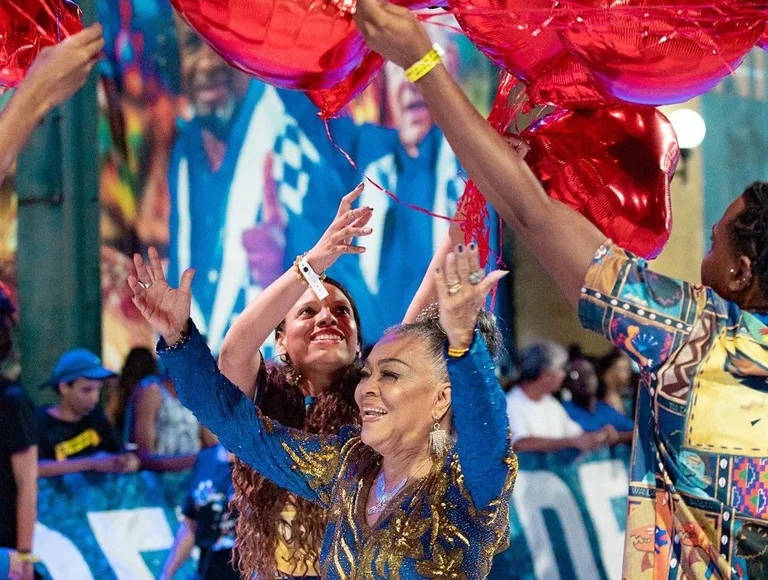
(658, 52)
(331, 100)
(294, 44)
(763, 42)
(28, 26)
(522, 37)
(614, 166)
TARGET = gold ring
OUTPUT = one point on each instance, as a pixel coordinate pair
(454, 288)
(145, 285)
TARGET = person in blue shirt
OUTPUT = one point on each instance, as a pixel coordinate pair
(585, 408)
(208, 523)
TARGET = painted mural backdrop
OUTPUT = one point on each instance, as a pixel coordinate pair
(236, 178)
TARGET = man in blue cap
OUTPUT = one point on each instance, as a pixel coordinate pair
(74, 434)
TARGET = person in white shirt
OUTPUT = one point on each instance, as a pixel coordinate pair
(537, 420)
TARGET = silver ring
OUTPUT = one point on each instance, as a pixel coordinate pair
(145, 285)
(454, 288)
(476, 277)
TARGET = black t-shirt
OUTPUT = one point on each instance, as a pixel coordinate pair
(207, 503)
(17, 433)
(62, 440)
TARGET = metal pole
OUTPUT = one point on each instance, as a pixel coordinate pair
(58, 235)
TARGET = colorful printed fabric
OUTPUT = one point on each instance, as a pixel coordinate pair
(447, 525)
(699, 473)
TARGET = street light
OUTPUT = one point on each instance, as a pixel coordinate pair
(691, 130)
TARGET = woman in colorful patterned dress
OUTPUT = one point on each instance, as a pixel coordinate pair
(423, 488)
(699, 473)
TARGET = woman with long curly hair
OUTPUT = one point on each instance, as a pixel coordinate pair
(319, 341)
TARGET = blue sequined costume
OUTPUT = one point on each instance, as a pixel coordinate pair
(447, 525)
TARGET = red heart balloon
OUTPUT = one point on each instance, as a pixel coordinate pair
(655, 52)
(522, 37)
(28, 26)
(294, 44)
(613, 165)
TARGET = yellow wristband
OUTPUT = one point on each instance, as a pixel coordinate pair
(429, 61)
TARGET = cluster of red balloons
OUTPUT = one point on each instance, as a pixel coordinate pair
(28, 26)
(601, 62)
(605, 152)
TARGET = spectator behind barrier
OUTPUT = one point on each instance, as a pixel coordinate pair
(166, 434)
(537, 420)
(585, 409)
(139, 363)
(74, 434)
(617, 384)
(18, 457)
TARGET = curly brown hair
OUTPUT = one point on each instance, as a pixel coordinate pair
(258, 501)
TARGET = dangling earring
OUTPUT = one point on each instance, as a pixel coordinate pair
(438, 440)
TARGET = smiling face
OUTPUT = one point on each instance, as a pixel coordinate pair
(320, 335)
(401, 394)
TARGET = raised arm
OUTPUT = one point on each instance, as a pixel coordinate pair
(561, 238)
(239, 358)
(479, 412)
(57, 73)
(303, 464)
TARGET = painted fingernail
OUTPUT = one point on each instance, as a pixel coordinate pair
(368, 230)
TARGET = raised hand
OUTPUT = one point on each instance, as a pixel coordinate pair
(392, 31)
(462, 288)
(60, 70)
(337, 240)
(165, 308)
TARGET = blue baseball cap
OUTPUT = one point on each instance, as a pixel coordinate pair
(76, 364)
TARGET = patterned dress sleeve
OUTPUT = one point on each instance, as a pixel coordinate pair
(646, 315)
(305, 465)
(483, 442)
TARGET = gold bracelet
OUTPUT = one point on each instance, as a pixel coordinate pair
(429, 61)
(457, 352)
(28, 557)
(299, 275)
(298, 270)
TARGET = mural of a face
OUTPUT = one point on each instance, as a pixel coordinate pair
(213, 87)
